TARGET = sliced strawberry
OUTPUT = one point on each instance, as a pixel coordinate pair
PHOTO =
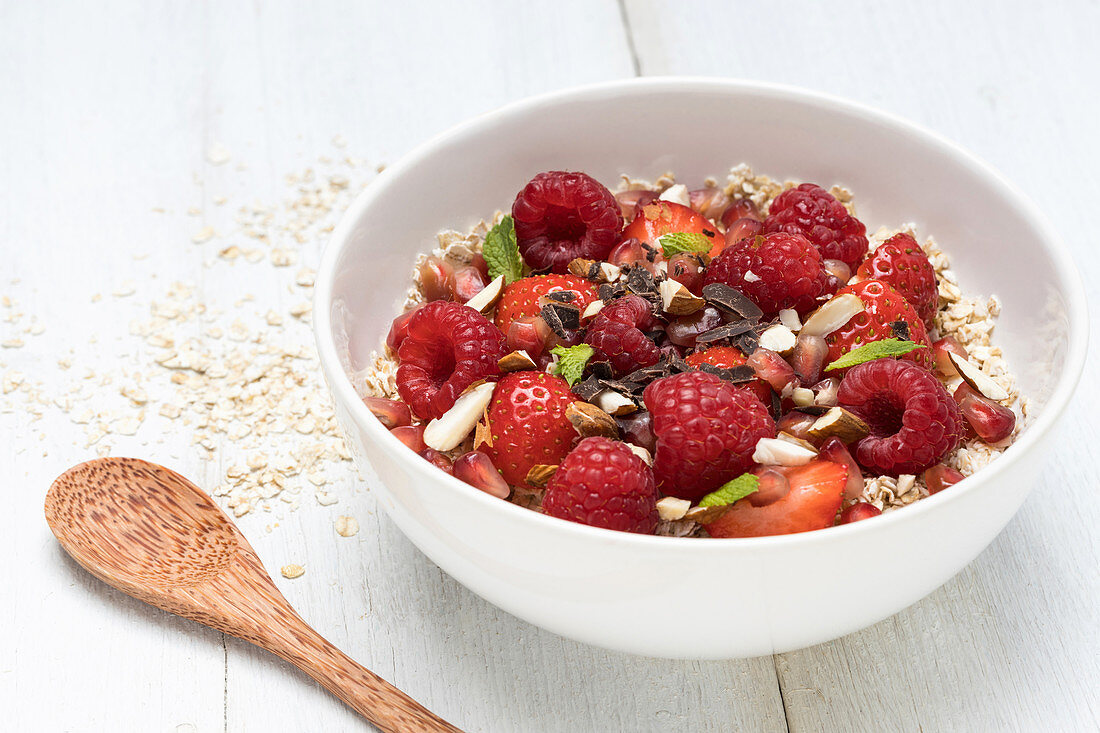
(521, 298)
(659, 218)
(528, 424)
(815, 495)
(883, 306)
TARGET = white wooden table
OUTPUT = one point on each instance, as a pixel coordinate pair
(107, 112)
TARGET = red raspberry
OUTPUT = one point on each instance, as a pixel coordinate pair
(560, 216)
(728, 357)
(521, 298)
(528, 424)
(706, 431)
(902, 264)
(812, 211)
(448, 347)
(776, 271)
(882, 306)
(602, 483)
(914, 421)
(616, 335)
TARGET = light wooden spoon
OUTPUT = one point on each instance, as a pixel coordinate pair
(153, 534)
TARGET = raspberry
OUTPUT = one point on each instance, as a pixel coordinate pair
(902, 264)
(706, 431)
(447, 348)
(602, 483)
(914, 421)
(560, 216)
(616, 335)
(521, 298)
(776, 271)
(812, 211)
(883, 306)
(528, 425)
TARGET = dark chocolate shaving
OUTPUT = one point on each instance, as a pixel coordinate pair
(654, 336)
(725, 331)
(588, 388)
(737, 375)
(901, 330)
(731, 300)
(561, 296)
(777, 406)
(567, 316)
(601, 369)
(679, 366)
(594, 271)
(747, 342)
(622, 386)
(609, 291)
(815, 410)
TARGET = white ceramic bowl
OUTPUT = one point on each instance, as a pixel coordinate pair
(690, 597)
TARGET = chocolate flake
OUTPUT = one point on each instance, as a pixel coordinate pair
(640, 281)
(731, 300)
(588, 389)
(609, 291)
(777, 406)
(601, 369)
(815, 410)
(725, 331)
(623, 386)
(747, 342)
(561, 296)
(901, 330)
(735, 375)
(569, 316)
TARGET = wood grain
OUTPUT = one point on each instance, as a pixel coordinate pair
(156, 536)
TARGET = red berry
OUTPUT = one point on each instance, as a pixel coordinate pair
(859, 511)
(991, 421)
(560, 216)
(391, 413)
(812, 211)
(616, 334)
(477, 469)
(448, 348)
(706, 431)
(656, 219)
(528, 424)
(776, 271)
(602, 483)
(521, 298)
(914, 422)
(939, 477)
(728, 357)
(901, 263)
(882, 306)
(812, 501)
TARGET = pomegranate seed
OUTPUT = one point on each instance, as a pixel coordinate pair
(466, 282)
(411, 435)
(741, 229)
(399, 329)
(939, 477)
(638, 430)
(808, 359)
(687, 269)
(482, 266)
(839, 270)
(773, 486)
(992, 422)
(631, 201)
(477, 469)
(797, 424)
(825, 392)
(773, 369)
(391, 413)
(528, 333)
(683, 330)
(632, 251)
(859, 511)
(433, 275)
(942, 362)
(834, 450)
(710, 202)
(739, 209)
(436, 458)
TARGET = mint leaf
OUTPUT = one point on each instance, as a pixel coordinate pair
(874, 350)
(501, 252)
(731, 491)
(677, 242)
(571, 361)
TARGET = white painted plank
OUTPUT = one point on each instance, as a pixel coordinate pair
(1012, 642)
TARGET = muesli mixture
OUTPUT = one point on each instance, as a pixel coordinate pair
(734, 360)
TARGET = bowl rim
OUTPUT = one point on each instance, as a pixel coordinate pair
(342, 389)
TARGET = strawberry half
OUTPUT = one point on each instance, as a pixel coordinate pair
(883, 306)
(521, 298)
(812, 501)
(901, 263)
(528, 424)
(659, 218)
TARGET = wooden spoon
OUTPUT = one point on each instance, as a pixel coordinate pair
(153, 534)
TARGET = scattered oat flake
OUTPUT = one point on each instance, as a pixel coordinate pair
(347, 526)
(124, 290)
(203, 235)
(292, 571)
(218, 154)
(13, 343)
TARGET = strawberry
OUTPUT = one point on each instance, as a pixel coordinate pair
(811, 502)
(882, 306)
(728, 357)
(521, 298)
(902, 264)
(528, 425)
(659, 218)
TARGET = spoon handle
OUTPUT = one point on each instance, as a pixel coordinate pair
(363, 691)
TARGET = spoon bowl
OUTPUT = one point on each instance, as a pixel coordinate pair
(154, 535)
